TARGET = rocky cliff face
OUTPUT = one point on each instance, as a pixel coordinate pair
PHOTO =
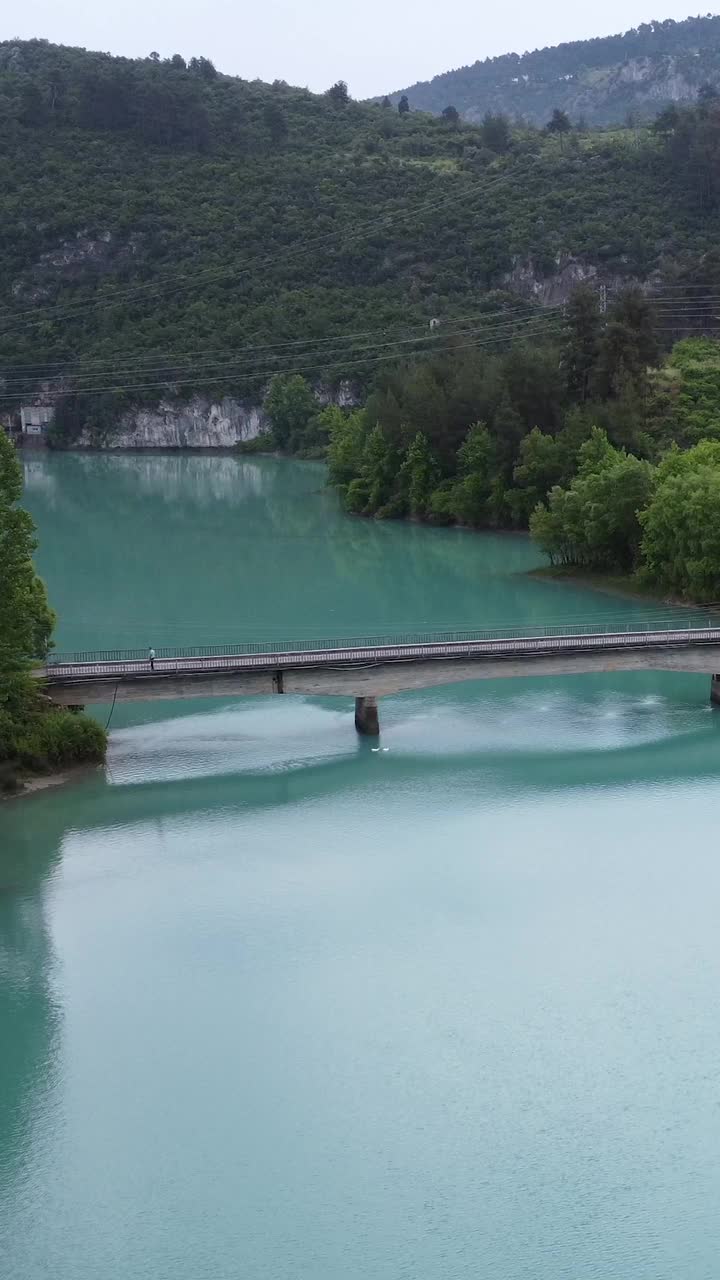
(555, 289)
(200, 423)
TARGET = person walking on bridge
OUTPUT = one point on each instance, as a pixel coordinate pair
(151, 657)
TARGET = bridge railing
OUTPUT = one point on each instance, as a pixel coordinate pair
(326, 644)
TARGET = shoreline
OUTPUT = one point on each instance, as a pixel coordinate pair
(624, 585)
(30, 784)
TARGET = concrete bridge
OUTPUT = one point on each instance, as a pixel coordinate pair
(369, 668)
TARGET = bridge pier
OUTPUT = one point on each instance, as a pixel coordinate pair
(367, 721)
(715, 690)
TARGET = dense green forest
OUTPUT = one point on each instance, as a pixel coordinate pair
(608, 450)
(34, 735)
(602, 81)
(166, 229)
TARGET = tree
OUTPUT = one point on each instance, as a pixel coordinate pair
(496, 133)
(476, 463)
(419, 475)
(692, 151)
(595, 522)
(290, 405)
(559, 122)
(540, 467)
(681, 525)
(403, 105)
(203, 67)
(534, 384)
(667, 121)
(583, 324)
(596, 453)
(26, 620)
(348, 436)
(338, 94)
(33, 734)
(374, 487)
(628, 347)
(33, 106)
(386, 103)
(685, 393)
(451, 115)
(613, 498)
(276, 123)
(508, 430)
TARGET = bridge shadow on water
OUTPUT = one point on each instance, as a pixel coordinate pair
(485, 747)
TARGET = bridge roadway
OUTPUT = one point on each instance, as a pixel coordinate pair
(371, 668)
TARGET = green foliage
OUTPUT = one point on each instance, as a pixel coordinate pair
(290, 406)
(686, 393)
(692, 148)
(418, 476)
(378, 472)
(348, 436)
(542, 464)
(262, 443)
(582, 342)
(456, 438)
(627, 348)
(559, 122)
(681, 526)
(32, 733)
(26, 620)
(338, 94)
(495, 133)
(37, 736)
(441, 509)
(476, 465)
(594, 523)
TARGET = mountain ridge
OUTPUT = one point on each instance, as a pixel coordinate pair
(166, 230)
(601, 80)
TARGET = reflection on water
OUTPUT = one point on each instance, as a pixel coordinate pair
(29, 1014)
(468, 726)
(281, 1005)
(195, 550)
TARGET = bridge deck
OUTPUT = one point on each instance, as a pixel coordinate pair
(79, 668)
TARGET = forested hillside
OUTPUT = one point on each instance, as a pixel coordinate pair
(601, 81)
(165, 228)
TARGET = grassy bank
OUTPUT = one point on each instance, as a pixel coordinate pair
(38, 740)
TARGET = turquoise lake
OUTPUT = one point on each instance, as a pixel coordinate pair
(278, 1006)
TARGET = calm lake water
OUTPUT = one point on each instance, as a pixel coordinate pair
(276, 1006)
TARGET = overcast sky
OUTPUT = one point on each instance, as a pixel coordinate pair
(376, 45)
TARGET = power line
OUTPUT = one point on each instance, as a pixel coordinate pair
(539, 330)
(217, 274)
(332, 358)
(337, 344)
(37, 372)
(291, 342)
(508, 326)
